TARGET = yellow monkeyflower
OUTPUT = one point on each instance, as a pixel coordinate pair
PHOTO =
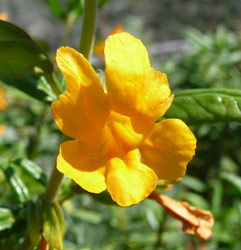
(117, 144)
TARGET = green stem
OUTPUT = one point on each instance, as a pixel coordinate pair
(53, 184)
(87, 39)
(88, 28)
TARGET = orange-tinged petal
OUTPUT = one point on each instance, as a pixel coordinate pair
(100, 46)
(82, 111)
(134, 88)
(3, 16)
(195, 220)
(2, 129)
(84, 164)
(117, 29)
(3, 101)
(168, 149)
(129, 181)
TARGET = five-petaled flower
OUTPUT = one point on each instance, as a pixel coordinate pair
(117, 144)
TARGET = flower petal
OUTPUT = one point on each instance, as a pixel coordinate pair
(195, 220)
(168, 149)
(134, 88)
(3, 101)
(84, 164)
(129, 181)
(82, 111)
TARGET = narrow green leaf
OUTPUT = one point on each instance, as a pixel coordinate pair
(199, 106)
(34, 222)
(233, 180)
(194, 183)
(32, 170)
(16, 184)
(217, 196)
(194, 199)
(56, 8)
(52, 231)
(60, 216)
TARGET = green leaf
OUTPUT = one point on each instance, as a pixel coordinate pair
(194, 199)
(10, 32)
(6, 218)
(16, 184)
(56, 8)
(34, 86)
(217, 196)
(60, 216)
(5, 213)
(16, 227)
(34, 222)
(102, 2)
(32, 170)
(19, 56)
(52, 230)
(194, 183)
(199, 106)
(233, 180)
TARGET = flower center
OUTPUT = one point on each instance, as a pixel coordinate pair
(120, 136)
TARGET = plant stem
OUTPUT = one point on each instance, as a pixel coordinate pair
(87, 39)
(53, 184)
(88, 28)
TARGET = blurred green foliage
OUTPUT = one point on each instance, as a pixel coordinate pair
(213, 61)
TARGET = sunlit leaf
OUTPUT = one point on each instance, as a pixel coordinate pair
(31, 169)
(233, 179)
(6, 218)
(200, 106)
(52, 230)
(17, 186)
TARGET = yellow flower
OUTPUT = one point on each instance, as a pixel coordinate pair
(3, 101)
(3, 16)
(2, 129)
(3, 106)
(118, 146)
